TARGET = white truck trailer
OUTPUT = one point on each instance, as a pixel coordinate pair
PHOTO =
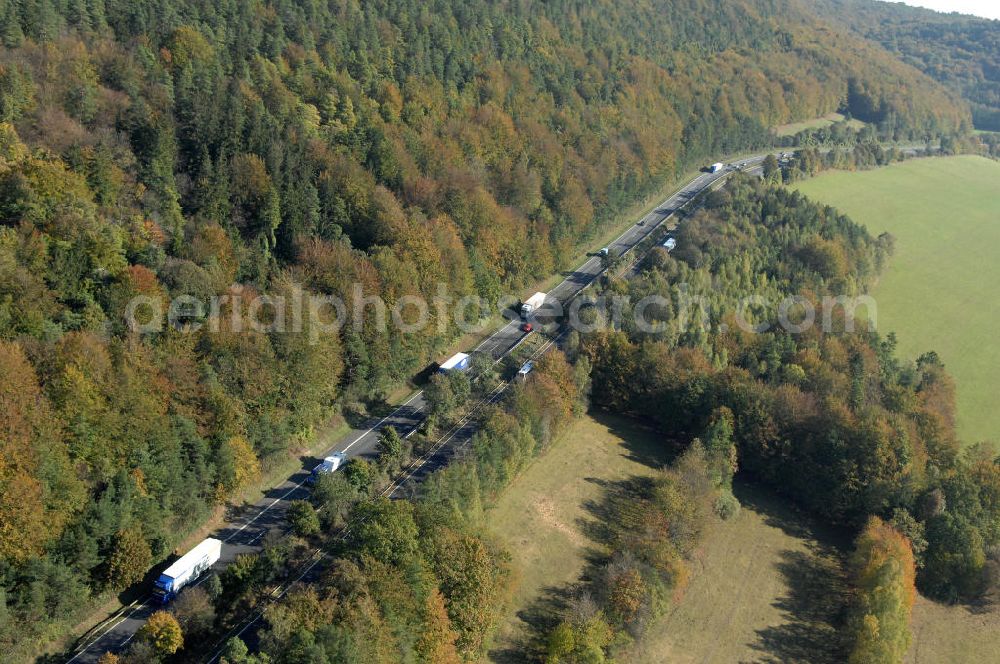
(457, 362)
(716, 167)
(532, 304)
(187, 569)
(329, 465)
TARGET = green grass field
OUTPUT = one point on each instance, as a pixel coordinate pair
(763, 588)
(766, 586)
(769, 587)
(816, 123)
(540, 515)
(953, 634)
(940, 289)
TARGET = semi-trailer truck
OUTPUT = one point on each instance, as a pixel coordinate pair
(716, 167)
(187, 569)
(532, 304)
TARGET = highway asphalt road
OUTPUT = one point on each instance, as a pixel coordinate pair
(245, 528)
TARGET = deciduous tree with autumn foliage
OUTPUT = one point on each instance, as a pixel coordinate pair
(882, 573)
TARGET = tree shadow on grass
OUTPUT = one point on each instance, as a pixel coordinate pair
(644, 444)
(982, 606)
(814, 607)
(538, 619)
(603, 514)
(780, 512)
(543, 614)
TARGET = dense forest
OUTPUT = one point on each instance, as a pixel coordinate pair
(826, 415)
(167, 147)
(962, 52)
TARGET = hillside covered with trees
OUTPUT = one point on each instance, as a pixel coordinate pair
(962, 52)
(830, 418)
(170, 147)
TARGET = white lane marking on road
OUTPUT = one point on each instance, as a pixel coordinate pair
(413, 468)
(393, 487)
(299, 485)
(396, 485)
(512, 348)
(491, 398)
(565, 281)
(494, 335)
(261, 513)
(138, 605)
(134, 607)
(406, 403)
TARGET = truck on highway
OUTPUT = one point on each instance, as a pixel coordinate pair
(186, 569)
(329, 465)
(532, 304)
(716, 167)
(457, 362)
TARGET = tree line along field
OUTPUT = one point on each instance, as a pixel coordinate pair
(938, 291)
(739, 600)
(187, 148)
(813, 415)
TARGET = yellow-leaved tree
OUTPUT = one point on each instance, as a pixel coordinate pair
(162, 632)
(238, 467)
(882, 573)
